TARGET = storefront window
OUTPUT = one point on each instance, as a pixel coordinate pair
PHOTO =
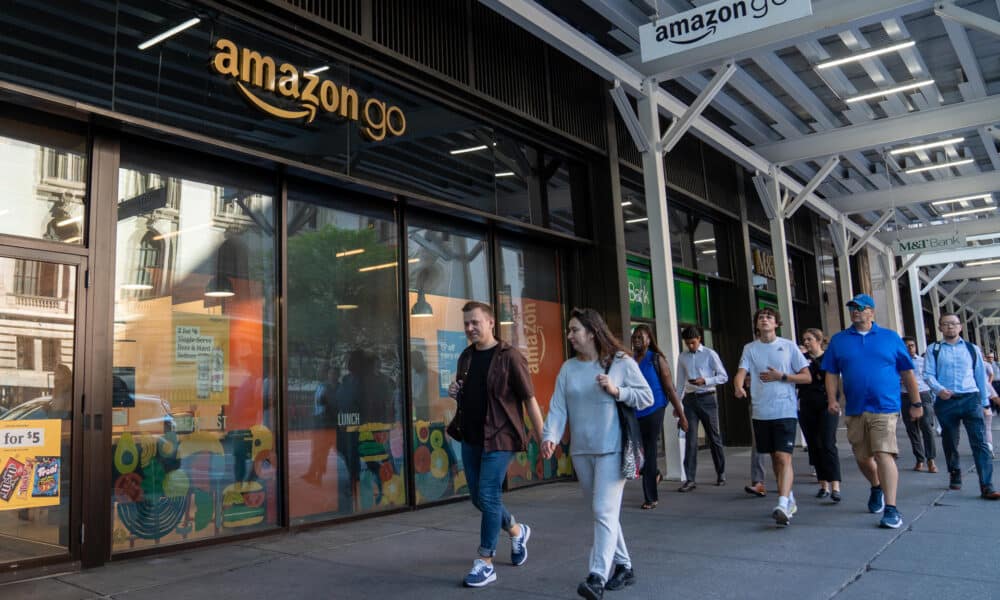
(44, 174)
(706, 250)
(344, 339)
(447, 268)
(36, 407)
(531, 319)
(194, 449)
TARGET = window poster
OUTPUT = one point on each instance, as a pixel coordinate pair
(31, 463)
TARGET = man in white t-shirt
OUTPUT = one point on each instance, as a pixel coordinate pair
(775, 365)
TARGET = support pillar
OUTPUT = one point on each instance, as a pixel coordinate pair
(918, 311)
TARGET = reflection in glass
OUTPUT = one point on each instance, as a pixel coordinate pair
(44, 174)
(37, 318)
(194, 453)
(344, 341)
(530, 317)
(705, 248)
(446, 269)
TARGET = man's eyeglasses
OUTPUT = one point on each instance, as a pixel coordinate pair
(950, 324)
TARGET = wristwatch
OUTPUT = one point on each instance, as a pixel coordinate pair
(917, 404)
(784, 376)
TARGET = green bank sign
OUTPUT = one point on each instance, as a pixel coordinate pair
(640, 294)
(936, 243)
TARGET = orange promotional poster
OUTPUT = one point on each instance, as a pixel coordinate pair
(31, 463)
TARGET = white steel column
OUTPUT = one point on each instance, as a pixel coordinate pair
(887, 264)
(936, 309)
(918, 311)
(780, 249)
(661, 262)
(838, 232)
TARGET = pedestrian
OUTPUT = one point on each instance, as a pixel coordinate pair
(819, 425)
(654, 368)
(775, 365)
(493, 389)
(869, 360)
(920, 431)
(588, 385)
(699, 370)
(956, 373)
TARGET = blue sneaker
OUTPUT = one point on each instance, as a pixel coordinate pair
(482, 573)
(876, 501)
(891, 519)
(519, 546)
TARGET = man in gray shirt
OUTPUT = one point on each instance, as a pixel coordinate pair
(699, 370)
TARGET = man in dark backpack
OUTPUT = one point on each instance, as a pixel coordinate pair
(956, 373)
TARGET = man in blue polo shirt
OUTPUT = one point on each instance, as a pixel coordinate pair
(955, 371)
(871, 361)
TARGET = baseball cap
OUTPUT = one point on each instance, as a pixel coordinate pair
(862, 300)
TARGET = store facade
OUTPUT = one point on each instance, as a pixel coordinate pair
(232, 266)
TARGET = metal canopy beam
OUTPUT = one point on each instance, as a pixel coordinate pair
(944, 189)
(681, 125)
(948, 10)
(937, 278)
(905, 267)
(970, 227)
(972, 253)
(554, 31)
(829, 17)
(955, 290)
(872, 230)
(974, 273)
(882, 132)
(817, 179)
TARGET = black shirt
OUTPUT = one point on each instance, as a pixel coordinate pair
(474, 396)
(815, 390)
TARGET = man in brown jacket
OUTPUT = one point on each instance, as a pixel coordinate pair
(492, 388)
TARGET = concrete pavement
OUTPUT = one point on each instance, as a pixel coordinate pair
(715, 542)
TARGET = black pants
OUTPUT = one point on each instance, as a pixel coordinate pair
(650, 427)
(820, 430)
(704, 408)
(921, 432)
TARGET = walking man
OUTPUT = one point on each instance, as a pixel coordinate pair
(920, 431)
(775, 365)
(955, 371)
(699, 370)
(870, 361)
(492, 388)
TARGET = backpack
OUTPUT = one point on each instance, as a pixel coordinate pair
(968, 346)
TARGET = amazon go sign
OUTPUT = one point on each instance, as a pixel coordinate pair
(300, 94)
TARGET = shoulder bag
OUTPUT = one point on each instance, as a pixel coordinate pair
(632, 455)
(454, 429)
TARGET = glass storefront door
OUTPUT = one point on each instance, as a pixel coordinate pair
(39, 391)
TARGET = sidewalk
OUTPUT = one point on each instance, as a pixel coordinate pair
(715, 542)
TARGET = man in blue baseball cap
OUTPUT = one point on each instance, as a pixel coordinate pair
(871, 361)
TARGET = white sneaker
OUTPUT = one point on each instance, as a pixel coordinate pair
(792, 507)
(782, 514)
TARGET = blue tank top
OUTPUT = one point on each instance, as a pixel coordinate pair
(648, 368)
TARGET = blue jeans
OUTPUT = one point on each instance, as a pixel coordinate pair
(485, 472)
(968, 409)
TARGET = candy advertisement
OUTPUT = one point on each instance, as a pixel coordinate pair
(30, 464)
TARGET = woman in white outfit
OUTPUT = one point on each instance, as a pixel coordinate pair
(587, 387)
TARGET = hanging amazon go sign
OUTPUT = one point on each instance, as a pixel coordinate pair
(715, 22)
(275, 88)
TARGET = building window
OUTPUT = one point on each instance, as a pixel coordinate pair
(25, 353)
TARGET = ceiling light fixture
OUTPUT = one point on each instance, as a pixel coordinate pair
(171, 234)
(705, 241)
(136, 286)
(953, 163)
(928, 145)
(995, 278)
(73, 239)
(384, 266)
(979, 263)
(467, 150)
(982, 236)
(986, 197)
(169, 33)
(971, 211)
(318, 70)
(888, 91)
(346, 306)
(626, 203)
(863, 55)
(827, 281)
(65, 222)
(505, 174)
(709, 251)
(349, 252)
(639, 220)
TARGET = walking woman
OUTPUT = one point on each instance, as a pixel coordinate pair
(588, 385)
(819, 425)
(654, 368)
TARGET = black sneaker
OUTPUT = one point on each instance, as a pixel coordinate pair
(593, 588)
(687, 486)
(955, 482)
(621, 577)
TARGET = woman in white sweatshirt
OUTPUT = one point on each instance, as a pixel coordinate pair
(588, 385)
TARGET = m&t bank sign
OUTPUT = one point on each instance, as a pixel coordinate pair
(936, 243)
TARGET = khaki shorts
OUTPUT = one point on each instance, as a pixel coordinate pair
(869, 433)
